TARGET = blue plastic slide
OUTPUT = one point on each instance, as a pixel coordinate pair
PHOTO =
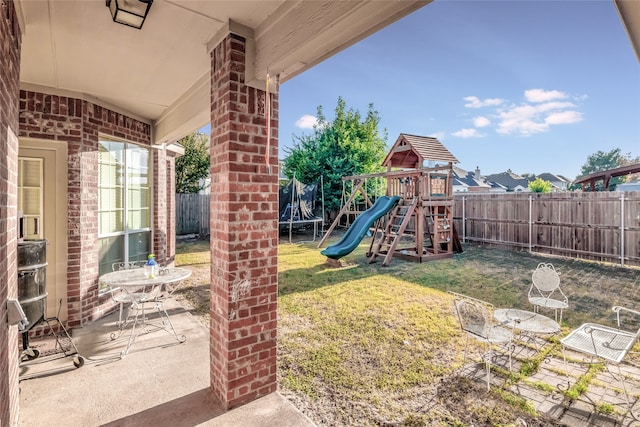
(354, 235)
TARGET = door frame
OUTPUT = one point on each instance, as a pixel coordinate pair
(55, 156)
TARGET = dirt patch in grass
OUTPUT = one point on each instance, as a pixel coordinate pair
(366, 345)
(465, 402)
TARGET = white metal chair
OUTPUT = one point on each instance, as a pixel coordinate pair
(545, 290)
(606, 343)
(122, 297)
(158, 296)
(477, 321)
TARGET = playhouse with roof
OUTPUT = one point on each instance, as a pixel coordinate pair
(414, 220)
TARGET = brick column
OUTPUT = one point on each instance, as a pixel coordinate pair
(10, 41)
(244, 233)
(160, 238)
(170, 250)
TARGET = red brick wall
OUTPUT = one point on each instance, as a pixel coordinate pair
(79, 123)
(244, 233)
(10, 42)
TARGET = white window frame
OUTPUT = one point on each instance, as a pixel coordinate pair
(126, 189)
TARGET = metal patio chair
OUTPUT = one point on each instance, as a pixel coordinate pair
(123, 297)
(545, 290)
(158, 296)
(608, 344)
(477, 321)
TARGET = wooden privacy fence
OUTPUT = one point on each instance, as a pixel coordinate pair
(601, 226)
(192, 214)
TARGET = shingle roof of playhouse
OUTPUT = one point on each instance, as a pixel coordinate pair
(410, 151)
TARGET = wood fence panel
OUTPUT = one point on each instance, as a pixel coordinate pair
(192, 214)
(205, 214)
(631, 219)
(581, 225)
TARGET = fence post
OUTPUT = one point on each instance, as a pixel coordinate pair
(464, 220)
(622, 230)
(530, 222)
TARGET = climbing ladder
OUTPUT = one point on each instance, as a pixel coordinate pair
(438, 229)
(398, 221)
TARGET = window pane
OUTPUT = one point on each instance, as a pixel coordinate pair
(138, 219)
(111, 221)
(138, 178)
(134, 220)
(31, 201)
(111, 249)
(139, 245)
(31, 172)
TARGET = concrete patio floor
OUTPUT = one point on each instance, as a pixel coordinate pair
(159, 383)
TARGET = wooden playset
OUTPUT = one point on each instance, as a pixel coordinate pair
(420, 227)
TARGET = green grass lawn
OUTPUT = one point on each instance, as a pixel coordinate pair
(372, 345)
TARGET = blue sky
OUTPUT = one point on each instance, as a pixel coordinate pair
(529, 86)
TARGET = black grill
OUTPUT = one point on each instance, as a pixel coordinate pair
(32, 280)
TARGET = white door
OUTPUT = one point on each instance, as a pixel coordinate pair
(42, 199)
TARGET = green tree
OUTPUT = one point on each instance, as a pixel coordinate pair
(348, 145)
(601, 161)
(192, 168)
(539, 185)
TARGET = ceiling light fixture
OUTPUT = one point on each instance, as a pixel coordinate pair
(129, 12)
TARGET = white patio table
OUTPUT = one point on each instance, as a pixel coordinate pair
(527, 321)
(147, 291)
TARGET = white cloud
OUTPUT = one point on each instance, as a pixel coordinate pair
(481, 122)
(306, 122)
(467, 133)
(563, 118)
(548, 106)
(530, 119)
(540, 110)
(475, 102)
(520, 120)
(541, 95)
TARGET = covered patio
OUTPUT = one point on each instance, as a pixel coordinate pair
(78, 89)
(158, 383)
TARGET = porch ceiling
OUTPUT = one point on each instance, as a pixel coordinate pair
(160, 74)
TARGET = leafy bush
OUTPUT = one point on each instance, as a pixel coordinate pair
(540, 186)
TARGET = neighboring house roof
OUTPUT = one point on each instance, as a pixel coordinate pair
(468, 179)
(505, 181)
(472, 182)
(509, 180)
(459, 172)
(552, 178)
(496, 186)
(558, 182)
(459, 185)
(410, 151)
